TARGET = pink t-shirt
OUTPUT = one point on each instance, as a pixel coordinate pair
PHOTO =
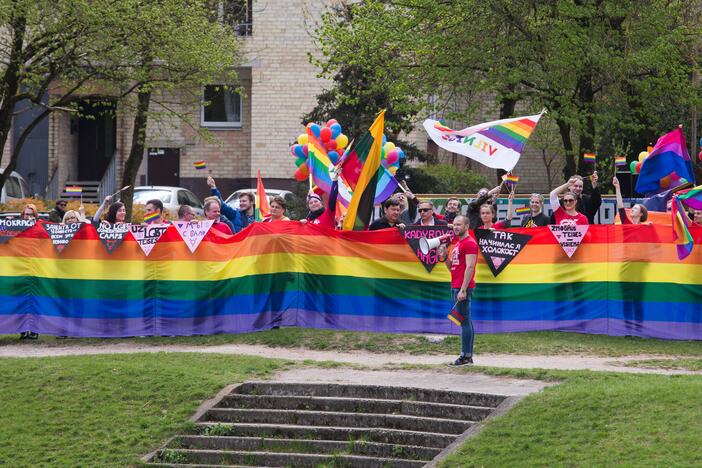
(464, 247)
(564, 218)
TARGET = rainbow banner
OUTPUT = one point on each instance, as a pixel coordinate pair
(622, 280)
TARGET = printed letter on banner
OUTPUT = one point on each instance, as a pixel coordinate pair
(500, 247)
(11, 228)
(147, 235)
(192, 232)
(112, 235)
(412, 234)
(61, 234)
(569, 236)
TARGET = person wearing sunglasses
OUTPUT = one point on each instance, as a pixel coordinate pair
(426, 215)
(56, 215)
(567, 213)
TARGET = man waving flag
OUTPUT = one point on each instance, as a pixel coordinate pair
(361, 206)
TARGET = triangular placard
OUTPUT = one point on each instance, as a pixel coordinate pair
(147, 235)
(569, 236)
(112, 235)
(412, 234)
(11, 228)
(499, 247)
(61, 234)
(192, 232)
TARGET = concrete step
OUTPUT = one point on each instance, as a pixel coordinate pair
(353, 405)
(258, 444)
(333, 418)
(230, 457)
(369, 392)
(371, 434)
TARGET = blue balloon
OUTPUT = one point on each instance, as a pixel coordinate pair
(700, 142)
(400, 154)
(333, 157)
(336, 130)
(298, 151)
(316, 129)
(385, 140)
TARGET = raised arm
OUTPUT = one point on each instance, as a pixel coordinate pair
(101, 208)
(618, 193)
(510, 213)
(553, 196)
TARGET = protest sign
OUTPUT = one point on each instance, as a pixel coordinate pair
(11, 228)
(500, 247)
(61, 234)
(412, 234)
(192, 232)
(569, 236)
(147, 235)
(112, 235)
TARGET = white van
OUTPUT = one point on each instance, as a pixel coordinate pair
(15, 187)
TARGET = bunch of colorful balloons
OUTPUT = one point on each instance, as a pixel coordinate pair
(335, 142)
(665, 182)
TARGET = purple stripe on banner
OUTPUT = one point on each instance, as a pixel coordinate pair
(673, 147)
(504, 140)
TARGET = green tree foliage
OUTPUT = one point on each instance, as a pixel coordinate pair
(607, 70)
(443, 178)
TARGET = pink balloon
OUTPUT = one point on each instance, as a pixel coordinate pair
(305, 150)
(325, 134)
(331, 122)
(674, 177)
(392, 157)
(700, 155)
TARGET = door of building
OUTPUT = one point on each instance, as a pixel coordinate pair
(163, 167)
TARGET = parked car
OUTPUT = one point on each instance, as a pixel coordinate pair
(172, 198)
(233, 199)
(15, 187)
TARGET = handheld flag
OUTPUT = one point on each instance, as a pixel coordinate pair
(318, 162)
(454, 316)
(151, 217)
(362, 202)
(200, 165)
(74, 189)
(496, 144)
(590, 158)
(620, 161)
(351, 167)
(511, 179)
(523, 210)
(668, 155)
(681, 233)
(263, 209)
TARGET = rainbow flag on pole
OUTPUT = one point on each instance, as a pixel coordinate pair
(151, 217)
(318, 162)
(620, 161)
(74, 189)
(590, 158)
(523, 210)
(691, 198)
(263, 209)
(200, 165)
(511, 179)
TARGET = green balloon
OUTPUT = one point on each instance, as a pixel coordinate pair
(632, 167)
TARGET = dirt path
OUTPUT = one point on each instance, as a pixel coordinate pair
(371, 360)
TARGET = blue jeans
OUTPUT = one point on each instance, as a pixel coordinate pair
(467, 332)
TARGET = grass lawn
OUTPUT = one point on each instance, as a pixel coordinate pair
(546, 343)
(107, 410)
(684, 364)
(595, 419)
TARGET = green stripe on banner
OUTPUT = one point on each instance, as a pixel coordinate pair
(199, 290)
(598, 291)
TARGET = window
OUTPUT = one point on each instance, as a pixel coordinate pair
(221, 107)
(185, 197)
(12, 187)
(235, 13)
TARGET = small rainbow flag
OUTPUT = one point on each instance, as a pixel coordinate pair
(199, 165)
(590, 157)
(511, 179)
(455, 317)
(74, 189)
(620, 161)
(151, 217)
(523, 210)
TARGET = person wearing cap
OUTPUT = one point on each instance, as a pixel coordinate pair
(318, 214)
(56, 215)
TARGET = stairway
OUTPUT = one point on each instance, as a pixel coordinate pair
(89, 194)
(320, 424)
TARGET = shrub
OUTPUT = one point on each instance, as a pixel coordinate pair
(443, 178)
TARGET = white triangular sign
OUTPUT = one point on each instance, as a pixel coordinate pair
(193, 232)
(147, 235)
(569, 236)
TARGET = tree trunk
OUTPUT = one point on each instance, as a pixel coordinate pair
(507, 106)
(570, 165)
(10, 84)
(136, 153)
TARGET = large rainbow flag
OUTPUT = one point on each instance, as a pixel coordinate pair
(622, 280)
(497, 144)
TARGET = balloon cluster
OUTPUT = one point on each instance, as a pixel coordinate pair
(331, 136)
(665, 182)
(700, 154)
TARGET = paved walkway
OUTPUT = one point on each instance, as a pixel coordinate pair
(371, 360)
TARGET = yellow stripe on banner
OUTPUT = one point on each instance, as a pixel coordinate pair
(176, 270)
(518, 129)
(642, 272)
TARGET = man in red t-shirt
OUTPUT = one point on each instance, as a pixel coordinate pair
(461, 262)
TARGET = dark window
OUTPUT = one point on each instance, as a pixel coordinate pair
(221, 107)
(237, 14)
(12, 187)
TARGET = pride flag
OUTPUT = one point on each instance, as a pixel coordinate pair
(590, 158)
(496, 144)
(681, 222)
(151, 217)
(668, 155)
(200, 165)
(511, 179)
(523, 210)
(351, 167)
(318, 162)
(263, 209)
(620, 161)
(74, 189)
(361, 206)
